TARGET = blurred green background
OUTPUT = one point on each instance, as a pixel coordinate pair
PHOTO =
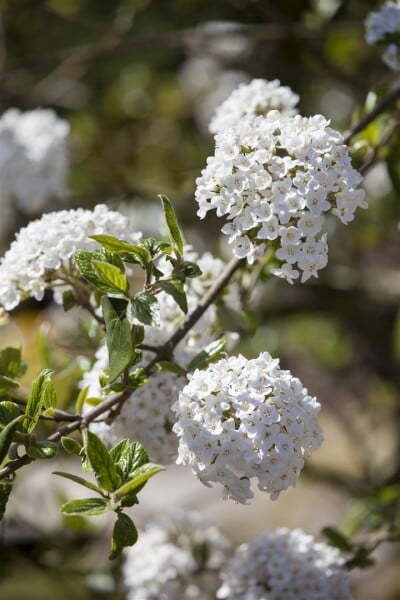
(138, 81)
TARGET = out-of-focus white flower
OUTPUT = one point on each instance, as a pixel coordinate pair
(382, 29)
(45, 248)
(147, 416)
(33, 159)
(178, 556)
(285, 564)
(273, 179)
(242, 419)
(252, 99)
(206, 83)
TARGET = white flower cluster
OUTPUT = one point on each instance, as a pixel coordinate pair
(33, 159)
(382, 28)
(252, 99)
(242, 419)
(177, 557)
(147, 416)
(274, 178)
(47, 245)
(284, 564)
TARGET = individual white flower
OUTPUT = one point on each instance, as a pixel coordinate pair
(275, 178)
(42, 253)
(33, 159)
(178, 556)
(234, 424)
(255, 98)
(147, 416)
(285, 564)
(382, 29)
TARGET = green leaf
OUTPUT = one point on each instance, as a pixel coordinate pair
(171, 367)
(68, 300)
(80, 401)
(10, 362)
(118, 451)
(174, 288)
(144, 308)
(133, 252)
(172, 223)
(81, 481)
(139, 476)
(111, 275)
(7, 384)
(6, 436)
(187, 270)
(5, 489)
(337, 539)
(42, 394)
(102, 464)
(83, 261)
(210, 354)
(42, 450)
(124, 534)
(87, 506)
(131, 458)
(71, 446)
(8, 411)
(119, 337)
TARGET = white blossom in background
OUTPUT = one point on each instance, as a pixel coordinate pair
(252, 99)
(382, 29)
(274, 179)
(242, 419)
(177, 557)
(40, 251)
(147, 416)
(33, 159)
(285, 565)
(206, 83)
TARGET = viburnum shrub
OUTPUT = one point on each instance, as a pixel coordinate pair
(167, 384)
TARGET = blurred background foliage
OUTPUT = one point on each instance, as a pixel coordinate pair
(138, 81)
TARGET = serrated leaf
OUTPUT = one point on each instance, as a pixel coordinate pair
(102, 464)
(71, 446)
(210, 354)
(118, 450)
(337, 539)
(139, 476)
(8, 412)
(6, 436)
(42, 450)
(133, 252)
(172, 223)
(144, 308)
(87, 506)
(124, 534)
(111, 275)
(133, 457)
(174, 287)
(42, 394)
(81, 481)
(118, 336)
(10, 361)
(83, 261)
(5, 490)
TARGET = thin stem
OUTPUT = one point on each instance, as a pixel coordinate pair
(385, 103)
